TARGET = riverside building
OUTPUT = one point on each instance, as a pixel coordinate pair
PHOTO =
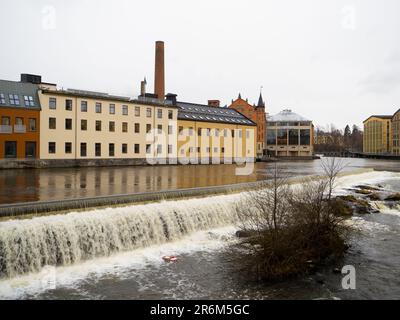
(289, 135)
(377, 138)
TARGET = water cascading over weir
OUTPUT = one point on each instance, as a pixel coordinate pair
(28, 245)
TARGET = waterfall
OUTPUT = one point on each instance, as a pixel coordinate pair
(28, 245)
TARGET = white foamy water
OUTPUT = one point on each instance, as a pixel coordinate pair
(98, 242)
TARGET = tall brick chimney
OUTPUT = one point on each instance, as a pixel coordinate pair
(159, 80)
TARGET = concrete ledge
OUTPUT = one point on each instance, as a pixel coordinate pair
(40, 207)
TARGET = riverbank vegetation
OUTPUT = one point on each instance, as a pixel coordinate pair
(289, 230)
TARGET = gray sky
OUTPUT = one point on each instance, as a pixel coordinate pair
(331, 61)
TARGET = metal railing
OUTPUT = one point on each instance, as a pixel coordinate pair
(4, 128)
(19, 128)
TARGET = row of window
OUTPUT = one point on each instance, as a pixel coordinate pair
(285, 137)
(6, 121)
(14, 100)
(111, 148)
(216, 132)
(111, 126)
(111, 106)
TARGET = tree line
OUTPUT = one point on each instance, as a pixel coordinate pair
(332, 139)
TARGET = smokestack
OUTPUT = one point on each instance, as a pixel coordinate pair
(159, 81)
(143, 87)
(213, 103)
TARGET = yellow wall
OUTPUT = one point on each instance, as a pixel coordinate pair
(245, 146)
(377, 136)
(396, 133)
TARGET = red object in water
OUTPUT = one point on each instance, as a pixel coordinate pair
(170, 258)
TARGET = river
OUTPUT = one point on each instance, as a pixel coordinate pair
(205, 268)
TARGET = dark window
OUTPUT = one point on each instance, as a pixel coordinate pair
(84, 106)
(52, 123)
(68, 104)
(282, 137)
(68, 147)
(98, 125)
(111, 149)
(199, 130)
(28, 101)
(148, 128)
(148, 112)
(68, 124)
(124, 110)
(112, 108)
(159, 113)
(137, 127)
(32, 124)
(305, 137)
(52, 103)
(10, 149)
(271, 137)
(98, 107)
(83, 149)
(170, 148)
(293, 137)
(137, 148)
(124, 126)
(170, 114)
(159, 128)
(137, 111)
(52, 147)
(124, 148)
(148, 148)
(111, 126)
(5, 121)
(83, 124)
(14, 99)
(30, 149)
(97, 149)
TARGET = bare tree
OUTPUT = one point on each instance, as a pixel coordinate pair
(331, 168)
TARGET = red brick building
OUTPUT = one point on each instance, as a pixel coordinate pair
(256, 113)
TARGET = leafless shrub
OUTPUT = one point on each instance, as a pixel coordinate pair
(288, 229)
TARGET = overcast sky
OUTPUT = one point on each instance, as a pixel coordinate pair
(331, 61)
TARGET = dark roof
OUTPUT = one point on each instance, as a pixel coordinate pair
(22, 90)
(204, 113)
(380, 116)
(395, 113)
(109, 97)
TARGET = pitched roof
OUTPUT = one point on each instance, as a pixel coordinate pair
(379, 116)
(26, 93)
(199, 112)
(261, 102)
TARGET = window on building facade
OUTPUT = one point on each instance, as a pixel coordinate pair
(170, 114)
(68, 124)
(111, 126)
(282, 137)
(14, 99)
(170, 149)
(68, 147)
(83, 106)
(5, 121)
(52, 103)
(148, 112)
(2, 98)
(170, 129)
(124, 148)
(112, 108)
(293, 137)
(159, 113)
(305, 137)
(10, 149)
(68, 104)
(137, 111)
(148, 128)
(124, 126)
(159, 148)
(271, 137)
(159, 128)
(52, 123)
(180, 130)
(83, 124)
(111, 149)
(124, 110)
(136, 148)
(28, 101)
(97, 149)
(98, 107)
(148, 148)
(52, 147)
(83, 149)
(98, 125)
(19, 121)
(137, 127)
(32, 124)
